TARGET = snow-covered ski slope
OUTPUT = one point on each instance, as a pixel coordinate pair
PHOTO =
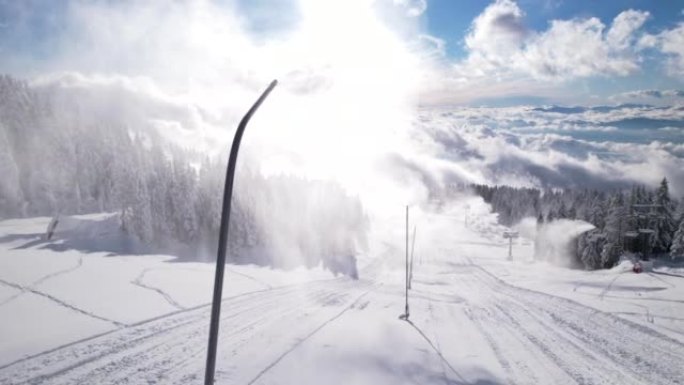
(77, 315)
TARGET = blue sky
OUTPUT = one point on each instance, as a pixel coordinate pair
(450, 20)
(512, 55)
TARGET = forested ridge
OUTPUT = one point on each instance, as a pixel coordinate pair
(57, 158)
(621, 218)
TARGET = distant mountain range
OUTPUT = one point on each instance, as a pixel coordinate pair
(581, 109)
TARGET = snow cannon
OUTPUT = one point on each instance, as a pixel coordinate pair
(637, 268)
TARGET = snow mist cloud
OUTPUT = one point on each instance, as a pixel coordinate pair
(189, 70)
(554, 240)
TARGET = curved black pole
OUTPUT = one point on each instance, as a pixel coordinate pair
(223, 239)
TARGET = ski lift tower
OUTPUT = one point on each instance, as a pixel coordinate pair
(642, 222)
(510, 235)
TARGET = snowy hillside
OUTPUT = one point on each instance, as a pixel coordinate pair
(475, 317)
(66, 152)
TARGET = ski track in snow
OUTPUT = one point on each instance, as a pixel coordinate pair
(437, 349)
(436, 346)
(23, 290)
(307, 337)
(260, 282)
(667, 274)
(652, 275)
(635, 298)
(160, 349)
(61, 272)
(608, 287)
(649, 316)
(62, 303)
(138, 281)
(590, 346)
(535, 337)
(171, 348)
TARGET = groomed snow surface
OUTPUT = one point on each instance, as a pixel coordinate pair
(80, 310)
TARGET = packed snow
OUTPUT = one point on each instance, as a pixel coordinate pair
(77, 315)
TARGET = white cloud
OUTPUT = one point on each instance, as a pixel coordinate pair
(528, 147)
(572, 49)
(621, 33)
(670, 42)
(431, 46)
(499, 44)
(413, 7)
(496, 35)
(643, 94)
(647, 41)
(505, 58)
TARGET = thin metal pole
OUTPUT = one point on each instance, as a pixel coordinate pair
(407, 261)
(510, 248)
(223, 239)
(413, 247)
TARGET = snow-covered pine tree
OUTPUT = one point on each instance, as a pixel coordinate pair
(158, 187)
(597, 212)
(665, 225)
(612, 230)
(679, 213)
(10, 193)
(141, 215)
(562, 211)
(182, 200)
(589, 247)
(209, 196)
(550, 216)
(677, 248)
(125, 173)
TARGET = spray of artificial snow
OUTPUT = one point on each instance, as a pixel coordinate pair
(555, 241)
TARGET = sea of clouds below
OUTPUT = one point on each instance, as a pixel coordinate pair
(600, 147)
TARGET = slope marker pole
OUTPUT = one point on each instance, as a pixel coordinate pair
(413, 247)
(405, 316)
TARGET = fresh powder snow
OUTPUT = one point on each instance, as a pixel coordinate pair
(81, 316)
